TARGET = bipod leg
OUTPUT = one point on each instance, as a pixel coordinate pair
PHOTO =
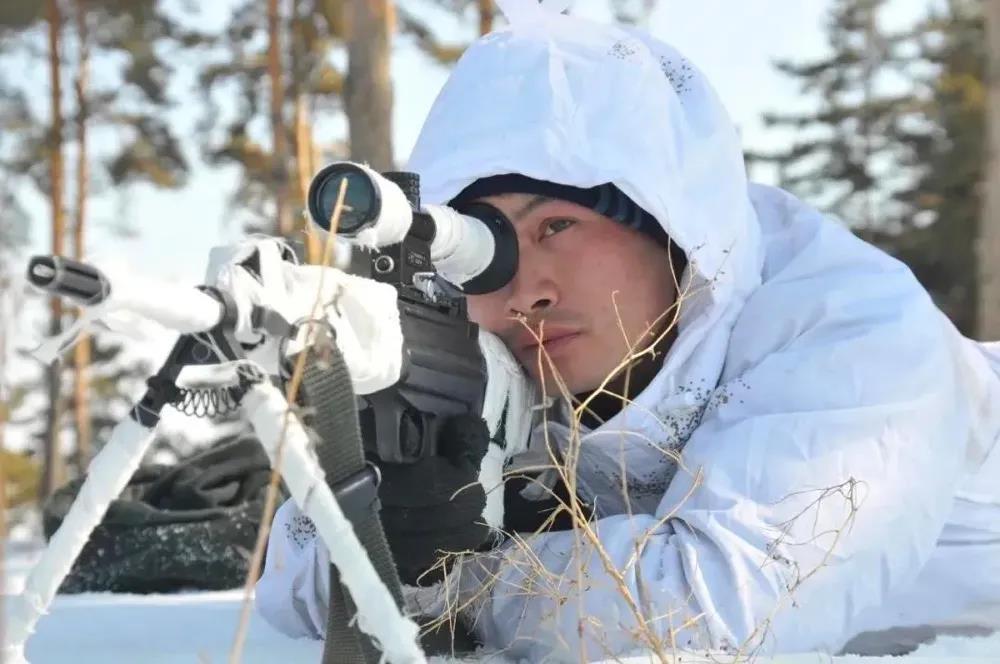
(378, 614)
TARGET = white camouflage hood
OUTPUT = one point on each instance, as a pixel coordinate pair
(557, 98)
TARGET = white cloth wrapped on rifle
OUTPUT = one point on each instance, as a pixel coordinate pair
(365, 316)
(362, 311)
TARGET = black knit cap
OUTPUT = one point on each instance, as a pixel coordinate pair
(605, 199)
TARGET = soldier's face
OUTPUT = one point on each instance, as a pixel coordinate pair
(591, 288)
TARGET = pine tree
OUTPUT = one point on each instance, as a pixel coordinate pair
(82, 350)
(945, 200)
(368, 87)
(134, 33)
(257, 49)
(988, 255)
(893, 146)
(54, 471)
(19, 476)
(845, 150)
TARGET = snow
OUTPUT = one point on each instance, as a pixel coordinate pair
(199, 627)
(107, 628)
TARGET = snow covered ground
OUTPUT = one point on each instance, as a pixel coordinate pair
(199, 628)
(102, 627)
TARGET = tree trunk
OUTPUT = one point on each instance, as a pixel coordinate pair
(3, 525)
(870, 67)
(486, 13)
(6, 319)
(988, 259)
(279, 159)
(54, 472)
(81, 353)
(304, 155)
(368, 87)
(305, 166)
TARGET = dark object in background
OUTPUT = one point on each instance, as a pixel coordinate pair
(191, 526)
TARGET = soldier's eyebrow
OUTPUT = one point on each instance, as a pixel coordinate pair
(533, 203)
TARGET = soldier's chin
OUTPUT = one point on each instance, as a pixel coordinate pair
(567, 381)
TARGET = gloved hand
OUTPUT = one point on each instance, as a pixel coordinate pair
(422, 514)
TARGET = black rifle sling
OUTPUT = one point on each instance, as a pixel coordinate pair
(332, 411)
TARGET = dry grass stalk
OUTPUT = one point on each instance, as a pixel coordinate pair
(657, 633)
(291, 393)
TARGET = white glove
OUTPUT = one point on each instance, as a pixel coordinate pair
(363, 312)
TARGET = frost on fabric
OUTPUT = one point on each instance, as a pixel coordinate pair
(301, 531)
(623, 50)
(679, 72)
(206, 555)
(629, 472)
